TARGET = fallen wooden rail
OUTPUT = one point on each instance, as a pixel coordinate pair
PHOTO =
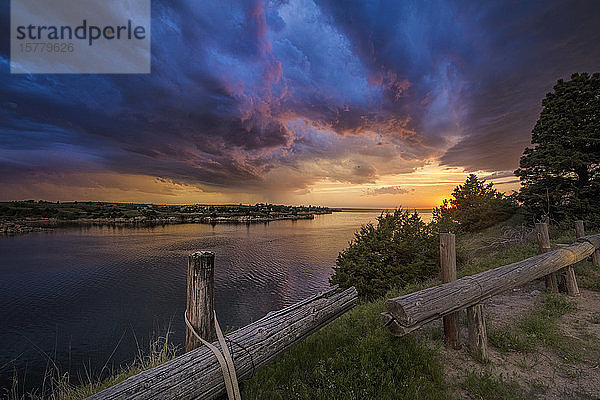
(407, 313)
(197, 374)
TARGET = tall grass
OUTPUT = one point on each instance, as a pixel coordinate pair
(59, 385)
(354, 357)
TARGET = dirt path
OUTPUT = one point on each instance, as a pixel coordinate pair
(567, 369)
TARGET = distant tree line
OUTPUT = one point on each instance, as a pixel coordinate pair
(75, 210)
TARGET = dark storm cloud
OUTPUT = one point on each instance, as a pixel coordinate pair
(487, 65)
(280, 94)
(529, 55)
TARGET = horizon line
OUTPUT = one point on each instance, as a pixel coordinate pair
(348, 208)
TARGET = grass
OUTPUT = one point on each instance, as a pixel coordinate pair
(484, 385)
(353, 358)
(537, 328)
(501, 244)
(58, 386)
(506, 340)
(588, 275)
(541, 326)
(595, 319)
(541, 329)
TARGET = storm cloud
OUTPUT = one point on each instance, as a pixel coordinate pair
(277, 95)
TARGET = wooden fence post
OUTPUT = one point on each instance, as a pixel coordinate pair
(200, 298)
(448, 274)
(571, 280)
(580, 233)
(477, 331)
(579, 230)
(544, 246)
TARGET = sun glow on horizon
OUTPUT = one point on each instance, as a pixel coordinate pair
(424, 188)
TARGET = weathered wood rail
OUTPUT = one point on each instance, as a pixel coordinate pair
(200, 298)
(197, 374)
(448, 274)
(407, 313)
(438, 301)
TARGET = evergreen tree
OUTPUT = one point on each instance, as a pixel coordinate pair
(399, 250)
(560, 174)
(475, 205)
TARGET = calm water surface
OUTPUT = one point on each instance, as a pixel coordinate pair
(77, 295)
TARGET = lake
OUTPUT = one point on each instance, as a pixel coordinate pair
(78, 295)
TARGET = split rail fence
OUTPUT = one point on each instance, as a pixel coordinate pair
(199, 374)
(406, 313)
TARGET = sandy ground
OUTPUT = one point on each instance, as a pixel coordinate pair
(545, 372)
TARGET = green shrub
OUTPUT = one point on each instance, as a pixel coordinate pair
(401, 249)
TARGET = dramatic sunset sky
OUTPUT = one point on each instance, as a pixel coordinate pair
(338, 103)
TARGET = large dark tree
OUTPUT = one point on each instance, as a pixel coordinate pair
(560, 174)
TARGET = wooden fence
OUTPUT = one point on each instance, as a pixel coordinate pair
(407, 313)
(197, 374)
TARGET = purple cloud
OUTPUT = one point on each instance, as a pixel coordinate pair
(277, 95)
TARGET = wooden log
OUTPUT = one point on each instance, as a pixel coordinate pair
(571, 282)
(197, 374)
(389, 322)
(570, 279)
(448, 274)
(595, 240)
(543, 237)
(200, 298)
(477, 331)
(425, 305)
(544, 246)
(596, 254)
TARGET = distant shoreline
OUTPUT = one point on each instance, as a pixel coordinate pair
(22, 217)
(23, 226)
